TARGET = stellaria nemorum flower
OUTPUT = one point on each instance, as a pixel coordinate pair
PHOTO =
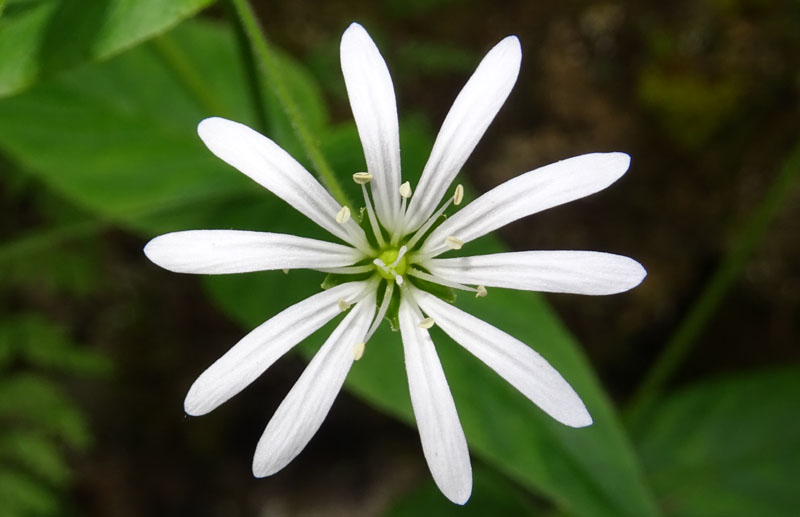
(395, 263)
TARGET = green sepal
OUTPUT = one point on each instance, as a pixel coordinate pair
(447, 294)
(392, 312)
(334, 279)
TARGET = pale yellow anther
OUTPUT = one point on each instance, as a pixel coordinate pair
(343, 305)
(362, 178)
(426, 323)
(358, 351)
(343, 216)
(285, 271)
(481, 292)
(458, 195)
(454, 243)
(405, 190)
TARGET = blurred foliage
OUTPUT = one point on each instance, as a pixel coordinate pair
(41, 37)
(39, 422)
(728, 446)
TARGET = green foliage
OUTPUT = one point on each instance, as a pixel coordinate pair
(728, 447)
(41, 344)
(32, 262)
(22, 495)
(42, 37)
(39, 422)
(128, 152)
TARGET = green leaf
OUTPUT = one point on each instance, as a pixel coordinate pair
(23, 496)
(40, 38)
(36, 402)
(727, 447)
(34, 454)
(130, 154)
(41, 343)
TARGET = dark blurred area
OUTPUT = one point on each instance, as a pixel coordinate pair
(702, 95)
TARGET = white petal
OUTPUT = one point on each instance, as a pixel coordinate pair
(532, 192)
(256, 352)
(305, 407)
(443, 441)
(472, 112)
(217, 252)
(266, 163)
(578, 272)
(372, 100)
(514, 361)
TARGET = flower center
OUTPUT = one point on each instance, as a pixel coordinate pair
(391, 265)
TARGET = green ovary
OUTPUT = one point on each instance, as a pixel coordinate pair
(388, 257)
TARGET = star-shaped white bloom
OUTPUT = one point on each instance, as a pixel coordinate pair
(400, 256)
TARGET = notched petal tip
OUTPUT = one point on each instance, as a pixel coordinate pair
(511, 43)
(641, 273)
(157, 252)
(215, 131)
(208, 125)
(578, 419)
(259, 468)
(355, 34)
(632, 273)
(622, 160)
(355, 26)
(460, 495)
(570, 409)
(196, 405)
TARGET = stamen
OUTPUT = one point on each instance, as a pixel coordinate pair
(373, 221)
(378, 262)
(358, 351)
(400, 253)
(399, 280)
(405, 190)
(458, 195)
(441, 281)
(405, 193)
(346, 270)
(362, 178)
(481, 292)
(343, 305)
(453, 242)
(426, 323)
(387, 298)
(343, 216)
(285, 271)
(425, 227)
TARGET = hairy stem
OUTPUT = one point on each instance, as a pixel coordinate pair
(271, 69)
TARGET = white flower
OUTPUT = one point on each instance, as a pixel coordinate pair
(401, 251)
